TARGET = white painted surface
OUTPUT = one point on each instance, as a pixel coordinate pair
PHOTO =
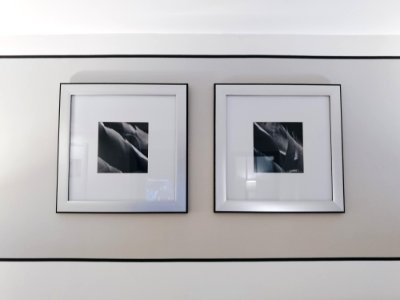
(209, 44)
(207, 16)
(211, 281)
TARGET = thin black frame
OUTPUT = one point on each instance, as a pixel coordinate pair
(187, 149)
(155, 260)
(282, 212)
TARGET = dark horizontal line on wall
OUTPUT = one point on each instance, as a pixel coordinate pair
(197, 56)
(217, 260)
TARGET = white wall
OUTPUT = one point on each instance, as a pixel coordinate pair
(209, 281)
(207, 16)
(334, 280)
(31, 228)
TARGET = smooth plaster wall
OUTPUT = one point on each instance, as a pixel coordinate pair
(28, 123)
(43, 17)
(211, 281)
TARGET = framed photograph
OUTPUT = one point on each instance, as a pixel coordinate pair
(122, 148)
(278, 148)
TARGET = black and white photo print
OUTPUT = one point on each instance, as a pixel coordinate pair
(278, 147)
(123, 147)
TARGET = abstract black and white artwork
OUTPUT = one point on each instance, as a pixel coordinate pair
(123, 147)
(278, 147)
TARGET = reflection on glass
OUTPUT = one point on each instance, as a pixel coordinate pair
(157, 190)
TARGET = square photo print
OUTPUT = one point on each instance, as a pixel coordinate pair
(278, 147)
(123, 147)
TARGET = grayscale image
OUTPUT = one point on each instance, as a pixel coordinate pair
(123, 147)
(278, 147)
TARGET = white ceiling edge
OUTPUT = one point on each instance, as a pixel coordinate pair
(200, 17)
(201, 44)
